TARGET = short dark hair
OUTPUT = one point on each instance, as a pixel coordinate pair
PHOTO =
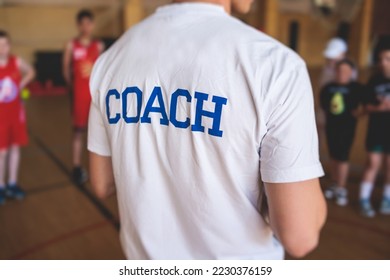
(84, 14)
(382, 46)
(346, 61)
(4, 34)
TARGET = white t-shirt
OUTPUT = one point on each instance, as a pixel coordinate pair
(193, 106)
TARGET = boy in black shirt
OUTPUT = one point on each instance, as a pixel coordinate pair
(340, 100)
(378, 135)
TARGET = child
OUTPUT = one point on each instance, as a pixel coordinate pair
(340, 101)
(79, 57)
(336, 50)
(378, 135)
(15, 74)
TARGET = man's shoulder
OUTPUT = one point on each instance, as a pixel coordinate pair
(262, 42)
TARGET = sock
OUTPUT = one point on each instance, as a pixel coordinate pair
(12, 184)
(366, 190)
(2, 187)
(386, 191)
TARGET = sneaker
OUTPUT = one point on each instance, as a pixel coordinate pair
(15, 192)
(80, 176)
(366, 209)
(385, 206)
(341, 196)
(330, 192)
(2, 196)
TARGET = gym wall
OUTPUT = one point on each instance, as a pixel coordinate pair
(48, 27)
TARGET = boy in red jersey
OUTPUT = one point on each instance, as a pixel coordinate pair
(15, 74)
(79, 57)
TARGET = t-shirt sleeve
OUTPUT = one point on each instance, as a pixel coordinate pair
(289, 150)
(98, 141)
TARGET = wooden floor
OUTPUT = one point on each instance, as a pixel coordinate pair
(58, 220)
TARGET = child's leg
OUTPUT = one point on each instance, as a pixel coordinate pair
(13, 190)
(333, 171)
(386, 190)
(374, 162)
(3, 159)
(77, 148)
(331, 139)
(385, 205)
(387, 170)
(342, 173)
(79, 174)
(341, 192)
(330, 190)
(373, 165)
(13, 167)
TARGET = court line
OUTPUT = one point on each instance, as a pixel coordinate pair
(40, 246)
(95, 201)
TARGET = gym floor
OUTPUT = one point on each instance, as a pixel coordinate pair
(59, 220)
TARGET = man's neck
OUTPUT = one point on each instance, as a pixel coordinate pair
(224, 3)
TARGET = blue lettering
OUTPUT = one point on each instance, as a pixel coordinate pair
(178, 98)
(216, 115)
(174, 101)
(115, 93)
(125, 94)
(150, 109)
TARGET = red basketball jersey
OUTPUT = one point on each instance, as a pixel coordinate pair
(10, 102)
(83, 59)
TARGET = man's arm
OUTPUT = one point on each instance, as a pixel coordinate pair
(102, 176)
(28, 73)
(289, 163)
(66, 63)
(297, 213)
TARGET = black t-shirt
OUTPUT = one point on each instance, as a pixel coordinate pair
(378, 87)
(339, 101)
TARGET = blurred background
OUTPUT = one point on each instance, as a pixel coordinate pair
(59, 220)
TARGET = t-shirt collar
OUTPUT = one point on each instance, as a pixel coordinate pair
(191, 7)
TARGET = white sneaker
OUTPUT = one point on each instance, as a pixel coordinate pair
(341, 196)
(330, 192)
(366, 209)
(385, 206)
